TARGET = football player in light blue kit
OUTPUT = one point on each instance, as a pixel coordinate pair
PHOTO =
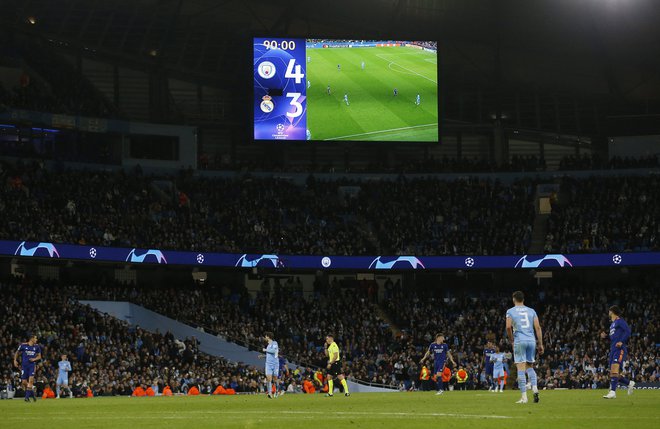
(64, 366)
(497, 359)
(272, 364)
(521, 324)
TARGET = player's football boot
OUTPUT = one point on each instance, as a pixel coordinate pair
(347, 394)
(521, 401)
(327, 395)
(270, 395)
(27, 399)
(34, 397)
(536, 398)
(440, 392)
(610, 395)
(631, 387)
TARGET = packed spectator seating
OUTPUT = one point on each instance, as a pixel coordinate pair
(597, 162)
(444, 164)
(422, 216)
(108, 356)
(615, 214)
(572, 319)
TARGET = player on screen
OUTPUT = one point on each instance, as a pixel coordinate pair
(308, 134)
(309, 59)
(440, 352)
(328, 90)
(346, 99)
(338, 67)
(619, 335)
(488, 364)
(30, 353)
(497, 359)
(418, 100)
(64, 366)
(334, 366)
(272, 364)
(308, 84)
(521, 324)
(396, 92)
(362, 65)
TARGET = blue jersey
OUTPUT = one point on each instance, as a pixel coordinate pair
(487, 353)
(64, 368)
(619, 332)
(522, 318)
(272, 354)
(439, 352)
(497, 360)
(28, 352)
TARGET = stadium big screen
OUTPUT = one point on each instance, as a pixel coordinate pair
(315, 89)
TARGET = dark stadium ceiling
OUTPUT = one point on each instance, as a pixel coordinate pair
(573, 54)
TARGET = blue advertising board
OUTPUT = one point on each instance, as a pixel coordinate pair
(275, 261)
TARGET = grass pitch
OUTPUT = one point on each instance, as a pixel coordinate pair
(557, 409)
(374, 112)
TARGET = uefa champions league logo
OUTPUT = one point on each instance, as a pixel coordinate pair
(138, 259)
(92, 253)
(410, 261)
(469, 262)
(266, 69)
(280, 129)
(245, 262)
(200, 259)
(23, 250)
(617, 259)
(560, 260)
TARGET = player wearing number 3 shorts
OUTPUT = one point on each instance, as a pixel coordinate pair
(521, 324)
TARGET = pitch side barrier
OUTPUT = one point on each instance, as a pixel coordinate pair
(47, 250)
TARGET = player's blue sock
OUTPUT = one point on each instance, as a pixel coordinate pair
(624, 381)
(502, 384)
(57, 390)
(532, 376)
(522, 382)
(27, 394)
(613, 383)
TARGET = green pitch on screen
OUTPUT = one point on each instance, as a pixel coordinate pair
(374, 112)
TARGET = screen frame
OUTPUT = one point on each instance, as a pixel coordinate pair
(440, 98)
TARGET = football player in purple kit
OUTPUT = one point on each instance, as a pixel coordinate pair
(30, 353)
(488, 364)
(619, 335)
(440, 352)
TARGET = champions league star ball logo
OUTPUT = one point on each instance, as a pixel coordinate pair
(267, 105)
(266, 70)
(280, 129)
(617, 259)
(92, 253)
(200, 259)
(469, 262)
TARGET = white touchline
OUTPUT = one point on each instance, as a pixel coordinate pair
(381, 131)
(411, 71)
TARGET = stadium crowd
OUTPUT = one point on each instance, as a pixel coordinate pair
(384, 342)
(248, 214)
(109, 357)
(616, 214)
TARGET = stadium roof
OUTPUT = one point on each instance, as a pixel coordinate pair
(562, 55)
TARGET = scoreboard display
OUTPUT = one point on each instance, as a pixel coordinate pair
(326, 90)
